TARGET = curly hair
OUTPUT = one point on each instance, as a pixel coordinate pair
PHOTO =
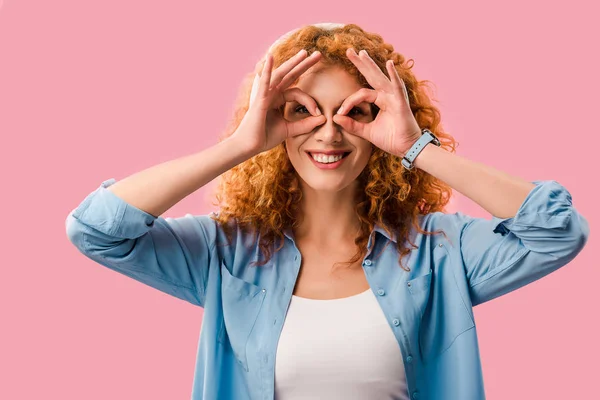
(262, 194)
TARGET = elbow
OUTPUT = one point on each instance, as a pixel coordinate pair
(578, 235)
(583, 233)
(75, 232)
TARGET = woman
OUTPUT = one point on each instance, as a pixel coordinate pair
(288, 313)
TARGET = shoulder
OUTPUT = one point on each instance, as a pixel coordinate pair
(230, 238)
(450, 223)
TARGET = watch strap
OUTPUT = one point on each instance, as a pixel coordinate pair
(426, 137)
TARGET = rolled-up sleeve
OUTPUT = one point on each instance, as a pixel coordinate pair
(169, 254)
(504, 254)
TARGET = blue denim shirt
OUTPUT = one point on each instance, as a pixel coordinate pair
(429, 309)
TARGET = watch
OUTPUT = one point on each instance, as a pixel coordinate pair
(426, 137)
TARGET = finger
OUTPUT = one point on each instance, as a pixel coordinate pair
(405, 91)
(265, 77)
(259, 66)
(305, 125)
(298, 95)
(299, 58)
(361, 95)
(394, 77)
(397, 82)
(370, 70)
(299, 69)
(353, 126)
(288, 65)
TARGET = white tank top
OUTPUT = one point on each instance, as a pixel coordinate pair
(338, 349)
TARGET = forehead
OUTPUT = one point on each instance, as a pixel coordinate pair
(325, 78)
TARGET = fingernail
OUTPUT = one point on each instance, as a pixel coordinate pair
(318, 112)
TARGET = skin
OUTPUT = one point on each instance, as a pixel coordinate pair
(328, 195)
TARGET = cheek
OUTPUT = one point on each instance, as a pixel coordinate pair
(366, 148)
(365, 155)
(292, 150)
(289, 146)
(364, 159)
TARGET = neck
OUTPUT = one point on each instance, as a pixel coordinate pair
(329, 217)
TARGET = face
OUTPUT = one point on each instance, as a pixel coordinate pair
(329, 87)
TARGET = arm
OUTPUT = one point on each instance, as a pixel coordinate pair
(496, 191)
(158, 188)
(119, 225)
(534, 228)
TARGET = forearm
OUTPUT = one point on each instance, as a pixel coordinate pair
(496, 191)
(158, 188)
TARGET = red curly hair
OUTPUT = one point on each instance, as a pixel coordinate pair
(262, 194)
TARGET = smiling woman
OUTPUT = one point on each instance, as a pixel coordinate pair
(317, 165)
(287, 179)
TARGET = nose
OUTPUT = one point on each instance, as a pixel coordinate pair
(329, 132)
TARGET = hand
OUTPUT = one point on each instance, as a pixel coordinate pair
(395, 129)
(263, 126)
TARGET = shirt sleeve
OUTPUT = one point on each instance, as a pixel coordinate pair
(503, 254)
(169, 254)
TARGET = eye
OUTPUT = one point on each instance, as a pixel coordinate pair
(355, 110)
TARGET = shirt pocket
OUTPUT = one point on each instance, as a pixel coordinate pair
(419, 290)
(446, 315)
(242, 302)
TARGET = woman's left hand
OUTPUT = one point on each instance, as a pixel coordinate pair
(395, 128)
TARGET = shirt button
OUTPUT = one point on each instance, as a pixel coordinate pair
(381, 292)
(396, 321)
(368, 262)
(264, 290)
(441, 244)
(415, 395)
(408, 358)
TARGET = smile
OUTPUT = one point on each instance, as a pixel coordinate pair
(327, 165)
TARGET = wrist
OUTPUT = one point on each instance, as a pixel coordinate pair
(240, 146)
(410, 143)
(418, 146)
(428, 153)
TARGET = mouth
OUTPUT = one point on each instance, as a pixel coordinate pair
(328, 166)
(344, 155)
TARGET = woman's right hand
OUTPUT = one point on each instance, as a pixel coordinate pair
(263, 126)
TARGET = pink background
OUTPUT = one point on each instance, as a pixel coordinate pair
(92, 90)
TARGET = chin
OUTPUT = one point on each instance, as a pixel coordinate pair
(326, 184)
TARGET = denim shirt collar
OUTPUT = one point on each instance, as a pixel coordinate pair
(377, 228)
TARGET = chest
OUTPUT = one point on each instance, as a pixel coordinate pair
(424, 308)
(325, 273)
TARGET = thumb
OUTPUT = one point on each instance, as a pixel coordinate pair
(305, 125)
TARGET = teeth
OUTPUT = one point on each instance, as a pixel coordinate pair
(325, 159)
